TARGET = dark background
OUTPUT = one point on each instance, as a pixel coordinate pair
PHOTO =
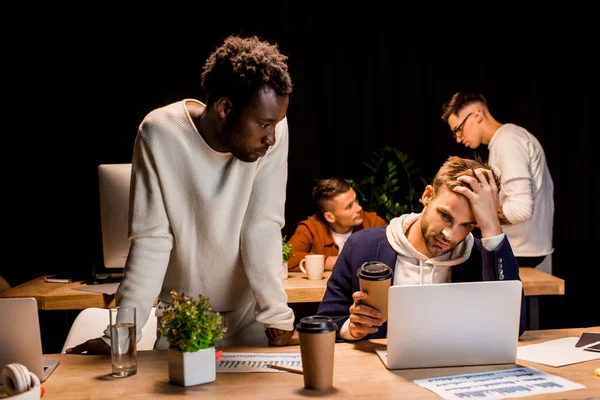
(78, 82)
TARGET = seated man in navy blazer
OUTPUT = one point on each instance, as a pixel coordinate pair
(434, 246)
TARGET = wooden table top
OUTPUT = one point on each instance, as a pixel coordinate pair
(358, 373)
(61, 296)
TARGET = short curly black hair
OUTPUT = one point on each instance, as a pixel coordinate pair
(241, 67)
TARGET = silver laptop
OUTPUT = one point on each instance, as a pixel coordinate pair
(20, 339)
(452, 324)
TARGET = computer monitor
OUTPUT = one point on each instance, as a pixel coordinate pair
(113, 185)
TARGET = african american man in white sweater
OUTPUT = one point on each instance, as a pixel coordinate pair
(207, 199)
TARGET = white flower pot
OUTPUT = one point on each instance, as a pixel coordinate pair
(285, 270)
(192, 368)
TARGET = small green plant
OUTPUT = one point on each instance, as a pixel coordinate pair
(286, 249)
(388, 186)
(189, 325)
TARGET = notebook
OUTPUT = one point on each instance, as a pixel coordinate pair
(20, 338)
(452, 324)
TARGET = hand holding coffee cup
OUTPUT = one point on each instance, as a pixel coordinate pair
(364, 320)
(313, 265)
(375, 279)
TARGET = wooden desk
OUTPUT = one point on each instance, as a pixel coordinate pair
(538, 283)
(60, 296)
(358, 373)
(535, 283)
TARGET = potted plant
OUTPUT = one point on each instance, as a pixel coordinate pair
(286, 252)
(193, 331)
(388, 187)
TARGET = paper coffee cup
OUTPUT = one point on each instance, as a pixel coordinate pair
(317, 344)
(375, 279)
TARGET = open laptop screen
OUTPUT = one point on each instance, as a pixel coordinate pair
(20, 339)
(453, 324)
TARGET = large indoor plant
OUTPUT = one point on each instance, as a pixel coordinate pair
(192, 330)
(391, 185)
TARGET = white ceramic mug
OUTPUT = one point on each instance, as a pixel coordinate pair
(313, 266)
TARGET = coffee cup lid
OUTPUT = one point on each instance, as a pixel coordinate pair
(316, 324)
(374, 271)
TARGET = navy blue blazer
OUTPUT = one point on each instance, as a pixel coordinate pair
(371, 244)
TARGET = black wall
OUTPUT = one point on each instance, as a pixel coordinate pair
(365, 77)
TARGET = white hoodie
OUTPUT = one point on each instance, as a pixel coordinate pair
(414, 268)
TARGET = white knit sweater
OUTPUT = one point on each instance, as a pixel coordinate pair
(527, 192)
(204, 222)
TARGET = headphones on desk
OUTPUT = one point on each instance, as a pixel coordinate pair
(16, 379)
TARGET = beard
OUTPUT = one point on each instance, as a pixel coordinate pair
(231, 136)
(431, 240)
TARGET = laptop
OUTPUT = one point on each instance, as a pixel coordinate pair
(452, 324)
(20, 338)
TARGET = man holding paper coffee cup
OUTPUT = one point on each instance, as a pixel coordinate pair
(434, 246)
(339, 216)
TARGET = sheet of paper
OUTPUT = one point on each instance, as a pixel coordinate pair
(106, 288)
(556, 353)
(501, 384)
(257, 362)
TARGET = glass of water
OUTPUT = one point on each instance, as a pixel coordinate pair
(123, 341)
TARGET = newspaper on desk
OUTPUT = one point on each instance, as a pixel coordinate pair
(515, 382)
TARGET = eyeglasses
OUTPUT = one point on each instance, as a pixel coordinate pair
(457, 132)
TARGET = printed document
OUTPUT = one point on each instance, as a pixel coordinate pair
(257, 362)
(502, 384)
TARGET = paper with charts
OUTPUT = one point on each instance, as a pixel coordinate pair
(502, 384)
(257, 362)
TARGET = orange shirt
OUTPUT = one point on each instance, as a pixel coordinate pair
(313, 236)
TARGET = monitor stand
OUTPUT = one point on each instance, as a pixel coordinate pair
(98, 279)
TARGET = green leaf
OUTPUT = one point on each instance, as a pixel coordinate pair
(189, 324)
(388, 184)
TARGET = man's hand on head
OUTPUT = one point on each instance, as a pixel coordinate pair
(92, 346)
(483, 196)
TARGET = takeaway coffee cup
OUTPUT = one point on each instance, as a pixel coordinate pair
(375, 279)
(317, 345)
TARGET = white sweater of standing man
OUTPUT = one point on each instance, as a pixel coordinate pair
(527, 191)
(204, 222)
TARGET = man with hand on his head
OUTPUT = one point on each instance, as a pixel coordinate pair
(434, 246)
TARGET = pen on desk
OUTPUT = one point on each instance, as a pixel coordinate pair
(50, 279)
(286, 369)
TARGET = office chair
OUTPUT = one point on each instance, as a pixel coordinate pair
(91, 323)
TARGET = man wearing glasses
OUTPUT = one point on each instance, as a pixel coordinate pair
(526, 208)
